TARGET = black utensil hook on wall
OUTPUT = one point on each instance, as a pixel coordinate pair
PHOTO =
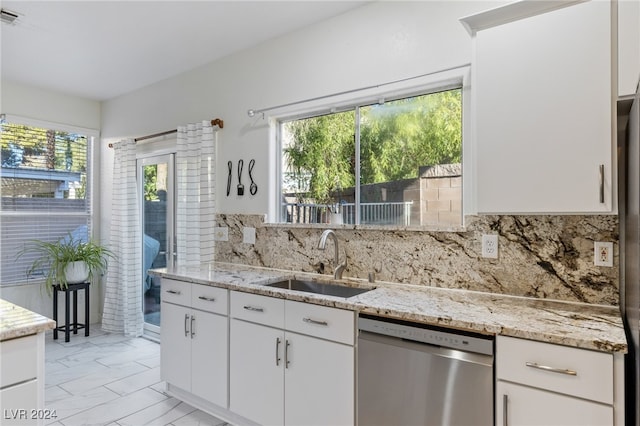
(240, 185)
(229, 177)
(253, 188)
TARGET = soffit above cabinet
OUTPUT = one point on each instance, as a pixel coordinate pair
(511, 12)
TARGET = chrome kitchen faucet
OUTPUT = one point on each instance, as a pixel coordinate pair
(340, 267)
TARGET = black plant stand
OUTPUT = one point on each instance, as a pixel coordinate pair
(72, 288)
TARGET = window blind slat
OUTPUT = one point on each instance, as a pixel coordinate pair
(45, 192)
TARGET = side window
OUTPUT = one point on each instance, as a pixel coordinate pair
(392, 163)
(45, 192)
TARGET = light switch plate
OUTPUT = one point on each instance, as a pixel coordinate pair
(248, 235)
(490, 246)
(221, 233)
(603, 253)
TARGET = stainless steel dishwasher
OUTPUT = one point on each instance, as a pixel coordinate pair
(410, 374)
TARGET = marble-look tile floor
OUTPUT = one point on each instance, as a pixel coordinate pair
(109, 379)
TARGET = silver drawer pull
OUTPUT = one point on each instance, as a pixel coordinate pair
(208, 299)
(253, 308)
(312, 321)
(505, 410)
(286, 354)
(601, 170)
(173, 292)
(277, 346)
(551, 369)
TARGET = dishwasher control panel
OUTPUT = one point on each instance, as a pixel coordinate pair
(450, 340)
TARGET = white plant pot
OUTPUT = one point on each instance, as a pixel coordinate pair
(76, 272)
(336, 218)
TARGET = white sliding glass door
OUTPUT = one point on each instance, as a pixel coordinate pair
(157, 210)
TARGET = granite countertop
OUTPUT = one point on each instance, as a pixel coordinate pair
(16, 321)
(572, 324)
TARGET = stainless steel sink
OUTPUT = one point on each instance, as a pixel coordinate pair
(317, 287)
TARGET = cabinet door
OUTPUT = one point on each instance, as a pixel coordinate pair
(209, 357)
(543, 112)
(256, 379)
(319, 382)
(628, 47)
(534, 407)
(175, 345)
(16, 403)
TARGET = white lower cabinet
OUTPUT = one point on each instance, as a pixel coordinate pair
(545, 384)
(175, 346)
(22, 381)
(281, 377)
(256, 380)
(531, 406)
(319, 382)
(194, 342)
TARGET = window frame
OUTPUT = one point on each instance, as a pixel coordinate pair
(454, 78)
(93, 138)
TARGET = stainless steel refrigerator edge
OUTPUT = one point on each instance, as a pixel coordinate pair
(629, 208)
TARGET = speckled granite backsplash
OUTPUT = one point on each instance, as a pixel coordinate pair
(540, 256)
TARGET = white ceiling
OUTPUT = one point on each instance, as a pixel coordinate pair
(103, 49)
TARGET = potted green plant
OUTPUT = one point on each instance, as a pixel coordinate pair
(67, 261)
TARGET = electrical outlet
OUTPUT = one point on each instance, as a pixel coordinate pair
(490, 246)
(603, 253)
(249, 235)
(221, 233)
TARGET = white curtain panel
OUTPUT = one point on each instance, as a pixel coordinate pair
(123, 296)
(195, 194)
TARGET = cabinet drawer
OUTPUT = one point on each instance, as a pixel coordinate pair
(261, 309)
(320, 321)
(19, 360)
(210, 299)
(22, 399)
(178, 292)
(572, 371)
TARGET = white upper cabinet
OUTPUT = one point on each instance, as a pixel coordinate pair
(543, 109)
(628, 47)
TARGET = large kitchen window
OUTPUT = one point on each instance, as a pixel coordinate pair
(46, 191)
(390, 162)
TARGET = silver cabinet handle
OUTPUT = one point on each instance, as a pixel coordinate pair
(312, 321)
(601, 168)
(173, 292)
(286, 353)
(186, 320)
(208, 299)
(193, 329)
(277, 351)
(551, 369)
(505, 411)
(253, 308)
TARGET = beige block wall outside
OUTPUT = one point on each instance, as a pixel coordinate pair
(441, 201)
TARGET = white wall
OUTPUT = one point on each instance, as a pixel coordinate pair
(31, 102)
(378, 43)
